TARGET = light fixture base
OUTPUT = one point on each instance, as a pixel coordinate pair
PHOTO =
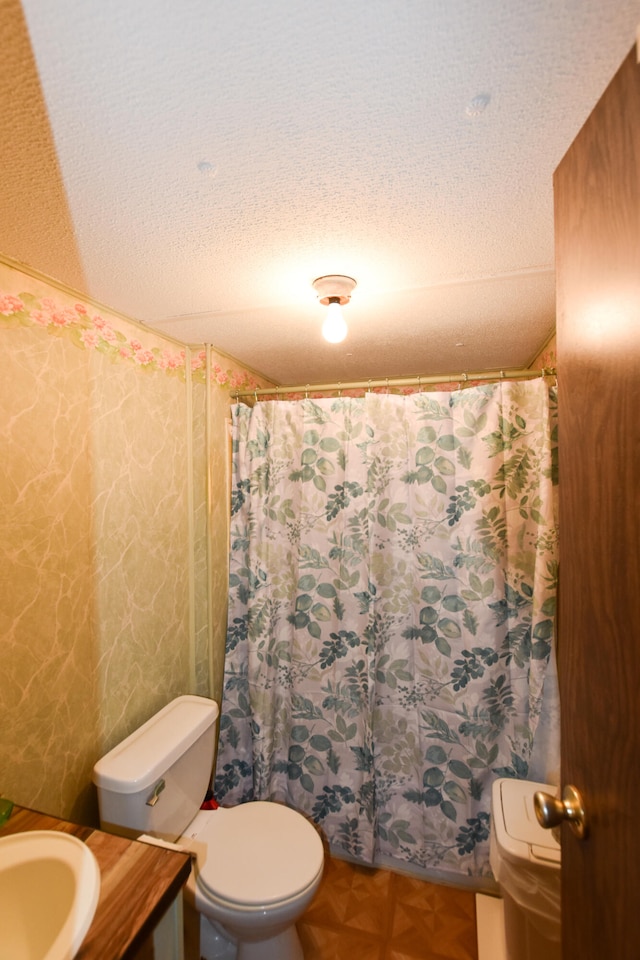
(334, 286)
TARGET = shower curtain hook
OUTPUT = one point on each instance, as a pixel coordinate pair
(306, 392)
(419, 383)
(551, 372)
(387, 386)
(369, 386)
(339, 388)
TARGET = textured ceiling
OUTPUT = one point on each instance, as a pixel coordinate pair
(205, 160)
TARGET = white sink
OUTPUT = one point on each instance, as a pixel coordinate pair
(49, 888)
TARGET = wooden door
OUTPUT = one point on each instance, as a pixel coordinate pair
(597, 210)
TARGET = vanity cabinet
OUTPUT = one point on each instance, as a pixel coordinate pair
(139, 913)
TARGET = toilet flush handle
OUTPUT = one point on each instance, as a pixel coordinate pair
(551, 811)
(157, 790)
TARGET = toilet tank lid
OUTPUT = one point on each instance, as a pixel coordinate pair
(140, 759)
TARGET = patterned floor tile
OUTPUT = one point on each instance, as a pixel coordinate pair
(362, 913)
(326, 943)
(354, 897)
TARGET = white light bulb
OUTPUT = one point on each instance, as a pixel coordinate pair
(334, 329)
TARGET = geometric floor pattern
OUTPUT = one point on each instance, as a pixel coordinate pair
(361, 913)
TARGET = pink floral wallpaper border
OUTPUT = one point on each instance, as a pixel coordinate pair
(94, 332)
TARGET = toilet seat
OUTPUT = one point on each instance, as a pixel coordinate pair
(257, 853)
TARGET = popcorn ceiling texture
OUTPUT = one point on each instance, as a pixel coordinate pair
(97, 611)
(215, 157)
(34, 214)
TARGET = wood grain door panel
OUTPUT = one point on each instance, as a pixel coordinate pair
(597, 223)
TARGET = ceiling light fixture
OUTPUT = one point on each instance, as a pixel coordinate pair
(333, 292)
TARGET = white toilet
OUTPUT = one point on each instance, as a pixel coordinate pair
(525, 860)
(257, 866)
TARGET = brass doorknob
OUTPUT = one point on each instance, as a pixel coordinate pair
(551, 811)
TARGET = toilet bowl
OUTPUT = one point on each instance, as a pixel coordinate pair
(256, 867)
(525, 860)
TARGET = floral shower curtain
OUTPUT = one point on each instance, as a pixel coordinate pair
(392, 601)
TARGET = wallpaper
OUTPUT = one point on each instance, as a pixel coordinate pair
(547, 356)
(113, 532)
(48, 679)
(114, 491)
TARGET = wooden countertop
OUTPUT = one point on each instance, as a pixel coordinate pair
(138, 882)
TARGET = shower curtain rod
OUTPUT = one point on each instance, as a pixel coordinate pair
(462, 378)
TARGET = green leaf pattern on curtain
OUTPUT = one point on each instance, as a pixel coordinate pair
(391, 612)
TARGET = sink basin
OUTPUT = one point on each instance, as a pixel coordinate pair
(49, 888)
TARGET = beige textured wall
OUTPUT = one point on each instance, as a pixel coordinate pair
(202, 654)
(547, 356)
(220, 467)
(140, 524)
(48, 675)
(106, 534)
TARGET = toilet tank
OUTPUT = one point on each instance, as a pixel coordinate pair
(155, 780)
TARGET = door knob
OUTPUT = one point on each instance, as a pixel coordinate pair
(551, 811)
